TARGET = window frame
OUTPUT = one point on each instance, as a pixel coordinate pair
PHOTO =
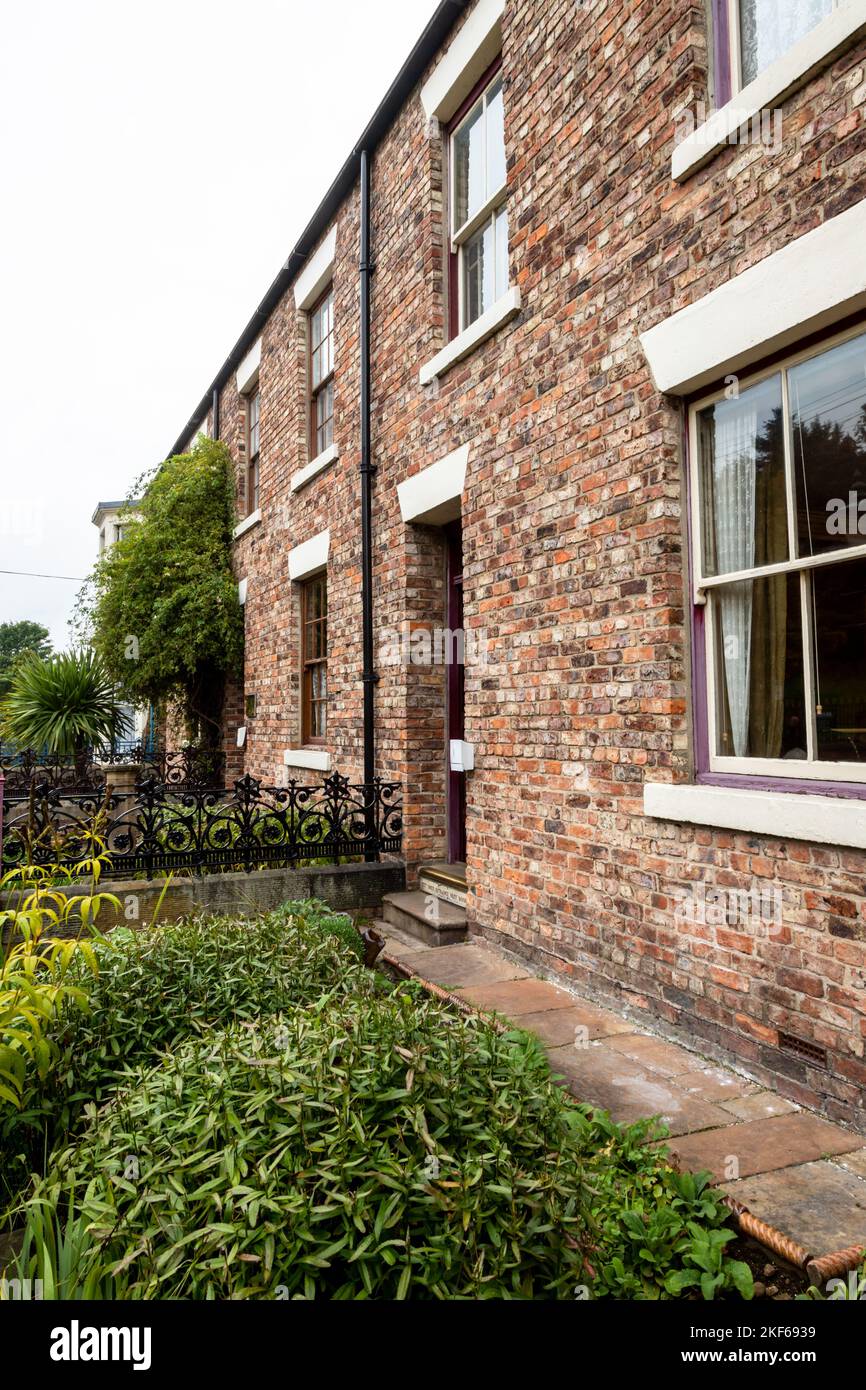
(458, 237)
(308, 663)
(315, 391)
(253, 478)
(728, 49)
(812, 775)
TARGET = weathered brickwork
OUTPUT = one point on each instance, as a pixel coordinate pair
(573, 532)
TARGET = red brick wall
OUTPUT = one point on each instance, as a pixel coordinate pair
(573, 532)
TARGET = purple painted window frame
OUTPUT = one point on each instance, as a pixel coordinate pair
(852, 791)
(723, 80)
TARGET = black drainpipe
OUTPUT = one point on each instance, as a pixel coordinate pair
(369, 676)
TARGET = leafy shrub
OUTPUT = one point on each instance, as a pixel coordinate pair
(155, 987)
(319, 917)
(375, 1146)
(659, 1233)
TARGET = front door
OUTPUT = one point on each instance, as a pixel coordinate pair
(454, 674)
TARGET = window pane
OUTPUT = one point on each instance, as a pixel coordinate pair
(325, 418)
(838, 597)
(760, 702)
(828, 410)
(468, 154)
(768, 28)
(744, 516)
(495, 139)
(479, 273)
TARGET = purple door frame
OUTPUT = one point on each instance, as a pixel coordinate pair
(454, 674)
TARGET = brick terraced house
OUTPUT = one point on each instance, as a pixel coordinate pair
(613, 301)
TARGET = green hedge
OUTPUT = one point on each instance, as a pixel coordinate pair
(158, 986)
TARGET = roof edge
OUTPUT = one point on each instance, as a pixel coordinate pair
(435, 32)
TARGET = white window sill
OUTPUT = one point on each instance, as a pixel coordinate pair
(499, 313)
(823, 820)
(247, 524)
(790, 72)
(315, 466)
(316, 759)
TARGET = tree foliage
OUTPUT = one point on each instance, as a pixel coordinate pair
(65, 704)
(15, 640)
(163, 609)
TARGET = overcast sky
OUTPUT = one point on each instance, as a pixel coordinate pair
(159, 161)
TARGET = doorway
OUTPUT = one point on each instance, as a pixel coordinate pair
(455, 684)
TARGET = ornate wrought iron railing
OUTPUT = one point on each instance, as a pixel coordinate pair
(160, 828)
(177, 767)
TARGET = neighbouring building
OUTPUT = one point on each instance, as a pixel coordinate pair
(110, 518)
(617, 332)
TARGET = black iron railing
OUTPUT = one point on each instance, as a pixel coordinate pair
(84, 772)
(160, 827)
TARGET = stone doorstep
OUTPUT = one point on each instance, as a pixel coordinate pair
(796, 1171)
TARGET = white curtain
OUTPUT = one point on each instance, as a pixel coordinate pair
(768, 28)
(734, 525)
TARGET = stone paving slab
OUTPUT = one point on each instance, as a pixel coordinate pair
(855, 1162)
(655, 1053)
(759, 1106)
(715, 1084)
(761, 1146)
(607, 1079)
(556, 1027)
(454, 967)
(796, 1171)
(823, 1203)
(517, 997)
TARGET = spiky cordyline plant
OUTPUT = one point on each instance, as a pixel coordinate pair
(64, 704)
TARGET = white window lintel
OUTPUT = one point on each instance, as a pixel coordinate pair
(248, 371)
(317, 272)
(310, 557)
(433, 496)
(808, 285)
(464, 61)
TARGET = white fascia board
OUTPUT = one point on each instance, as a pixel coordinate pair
(318, 270)
(249, 368)
(771, 87)
(315, 466)
(433, 495)
(810, 284)
(310, 557)
(484, 327)
(823, 820)
(464, 61)
(314, 758)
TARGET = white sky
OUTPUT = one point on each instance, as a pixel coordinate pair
(157, 163)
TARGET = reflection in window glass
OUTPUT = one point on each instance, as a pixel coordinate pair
(469, 181)
(760, 699)
(485, 267)
(742, 480)
(838, 596)
(828, 428)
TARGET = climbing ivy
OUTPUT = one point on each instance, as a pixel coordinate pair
(162, 605)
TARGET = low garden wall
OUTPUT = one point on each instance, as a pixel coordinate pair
(345, 887)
